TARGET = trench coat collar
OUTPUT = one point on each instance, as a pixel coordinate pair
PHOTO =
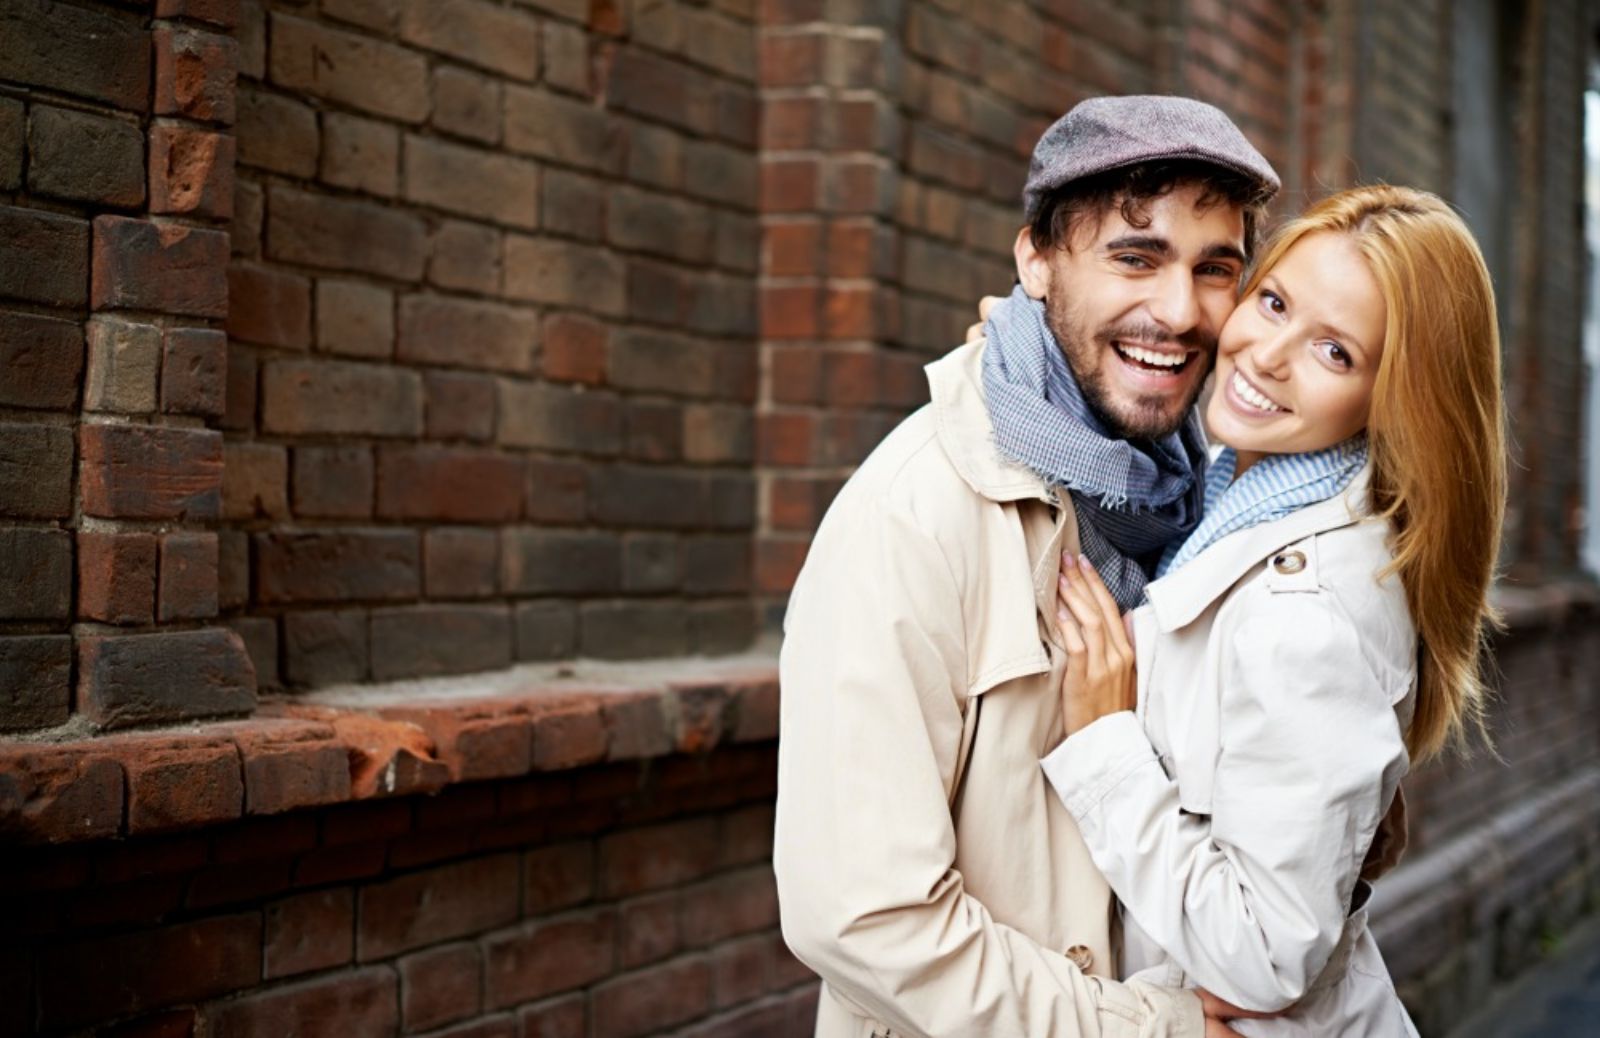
(1182, 595)
(966, 433)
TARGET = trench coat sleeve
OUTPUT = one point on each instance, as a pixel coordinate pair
(873, 672)
(1250, 900)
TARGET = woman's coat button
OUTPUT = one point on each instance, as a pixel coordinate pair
(1080, 956)
(1289, 562)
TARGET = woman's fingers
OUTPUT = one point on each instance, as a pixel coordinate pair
(1116, 632)
(974, 332)
(987, 304)
(1087, 616)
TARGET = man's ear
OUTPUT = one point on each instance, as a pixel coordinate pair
(1033, 266)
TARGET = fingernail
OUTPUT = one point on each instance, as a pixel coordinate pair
(1069, 560)
(1083, 560)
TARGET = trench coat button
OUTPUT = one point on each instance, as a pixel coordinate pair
(1080, 956)
(1289, 562)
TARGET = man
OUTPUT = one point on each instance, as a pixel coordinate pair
(925, 870)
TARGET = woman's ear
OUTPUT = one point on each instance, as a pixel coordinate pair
(1033, 266)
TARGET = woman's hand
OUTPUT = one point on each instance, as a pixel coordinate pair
(985, 305)
(1100, 677)
(1215, 1009)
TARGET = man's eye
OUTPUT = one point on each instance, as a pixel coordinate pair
(1133, 262)
(1217, 270)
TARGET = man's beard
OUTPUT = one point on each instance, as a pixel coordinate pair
(1149, 417)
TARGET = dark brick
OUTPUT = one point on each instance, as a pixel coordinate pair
(53, 795)
(633, 630)
(575, 205)
(302, 397)
(717, 565)
(360, 154)
(239, 407)
(564, 273)
(558, 491)
(150, 472)
(35, 681)
(459, 406)
(141, 679)
(193, 371)
(84, 157)
(466, 103)
(466, 256)
(44, 257)
(269, 306)
(35, 471)
(347, 1002)
(547, 956)
(191, 172)
(437, 904)
(305, 932)
(471, 182)
(277, 133)
(342, 234)
(440, 330)
(553, 127)
(13, 139)
(503, 40)
(440, 985)
(322, 648)
(36, 574)
(652, 562)
(333, 482)
(657, 997)
(460, 562)
(116, 576)
(440, 639)
(558, 418)
(455, 484)
(42, 358)
(539, 561)
(652, 498)
(334, 566)
(148, 266)
(233, 571)
(224, 13)
(360, 71)
(566, 1016)
(720, 628)
(187, 589)
(718, 435)
(87, 52)
(255, 481)
(355, 318)
(546, 630)
(260, 637)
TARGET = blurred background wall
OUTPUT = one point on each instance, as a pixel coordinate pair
(357, 341)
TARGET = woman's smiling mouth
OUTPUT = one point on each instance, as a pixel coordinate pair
(1245, 392)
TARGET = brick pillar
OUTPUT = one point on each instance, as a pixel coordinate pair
(830, 305)
(113, 255)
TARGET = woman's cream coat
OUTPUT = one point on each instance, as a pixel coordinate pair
(1231, 816)
(925, 868)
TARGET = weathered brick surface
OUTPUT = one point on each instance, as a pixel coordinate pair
(333, 482)
(35, 680)
(139, 264)
(306, 932)
(344, 234)
(44, 257)
(116, 576)
(150, 472)
(42, 358)
(191, 172)
(300, 397)
(348, 68)
(87, 158)
(440, 986)
(549, 956)
(349, 565)
(194, 74)
(187, 584)
(89, 52)
(439, 639)
(440, 330)
(433, 905)
(356, 1002)
(193, 371)
(123, 367)
(35, 471)
(355, 318)
(141, 679)
(448, 483)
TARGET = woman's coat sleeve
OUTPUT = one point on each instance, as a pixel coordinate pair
(873, 675)
(1250, 900)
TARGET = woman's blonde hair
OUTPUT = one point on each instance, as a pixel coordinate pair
(1436, 434)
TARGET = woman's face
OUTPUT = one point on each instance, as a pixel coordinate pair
(1297, 359)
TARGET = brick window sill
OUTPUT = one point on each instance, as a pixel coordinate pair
(374, 741)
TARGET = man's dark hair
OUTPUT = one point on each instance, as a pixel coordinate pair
(1131, 189)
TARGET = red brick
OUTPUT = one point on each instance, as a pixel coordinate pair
(269, 306)
(472, 182)
(195, 74)
(54, 795)
(116, 576)
(737, 903)
(548, 956)
(255, 481)
(786, 438)
(789, 312)
(441, 330)
(150, 472)
(93, 980)
(301, 397)
(434, 905)
(36, 671)
(194, 372)
(466, 256)
(500, 39)
(466, 103)
(289, 764)
(648, 930)
(654, 429)
(360, 154)
(755, 711)
(791, 59)
(307, 932)
(188, 576)
(440, 639)
(348, 1002)
(373, 821)
(345, 234)
(387, 758)
(791, 248)
(233, 577)
(142, 265)
(356, 70)
(778, 563)
(460, 563)
(655, 857)
(568, 735)
(440, 986)
(354, 318)
(448, 483)
(459, 406)
(557, 877)
(43, 360)
(566, 1016)
(43, 256)
(654, 998)
(179, 784)
(741, 971)
(191, 172)
(477, 742)
(574, 349)
(337, 565)
(333, 482)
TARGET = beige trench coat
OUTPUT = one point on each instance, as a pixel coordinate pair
(1231, 814)
(925, 869)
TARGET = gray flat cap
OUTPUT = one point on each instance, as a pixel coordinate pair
(1105, 133)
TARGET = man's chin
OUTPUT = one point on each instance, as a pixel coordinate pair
(1147, 418)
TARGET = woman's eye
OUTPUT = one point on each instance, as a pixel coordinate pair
(1337, 354)
(1272, 303)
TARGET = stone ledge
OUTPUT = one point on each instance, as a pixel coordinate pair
(367, 742)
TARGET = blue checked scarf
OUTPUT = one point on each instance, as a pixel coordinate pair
(1270, 489)
(1132, 498)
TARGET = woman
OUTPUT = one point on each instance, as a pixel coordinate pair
(1230, 762)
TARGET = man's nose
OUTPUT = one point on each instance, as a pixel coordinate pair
(1175, 303)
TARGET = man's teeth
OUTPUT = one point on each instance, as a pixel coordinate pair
(1248, 393)
(1165, 360)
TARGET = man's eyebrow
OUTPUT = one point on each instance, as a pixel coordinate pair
(1143, 243)
(1222, 251)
